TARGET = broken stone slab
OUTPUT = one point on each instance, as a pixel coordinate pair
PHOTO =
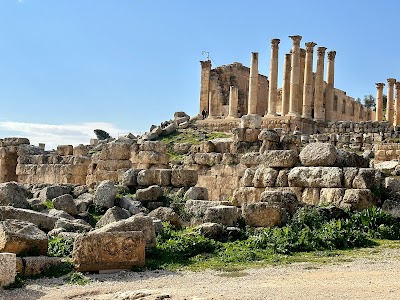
(196, 193)
(167, 214)
(76, 225)
(65, 203)
(43, 221)
(51, 192)
(315, 177)
(367, 178)
(113, 214)
(22, 238)
(37, 265)
(222, 214)
(105, 193)
(387, 167)
(97, 251)
(151, 193)
(358, 199)
(8, 262)
(134, 223)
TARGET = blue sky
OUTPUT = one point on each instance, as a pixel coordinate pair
(70, 66)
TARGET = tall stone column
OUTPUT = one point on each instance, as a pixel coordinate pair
(308, 81)
(233, 101)
(253, 85)
(286, 85)
(397, 118)
(303, 54)
(379, 101)
(273, 78)
(330, 82)
(295, 96)
(319, 113)
(205, 85)
(390, 95)
(212, 105)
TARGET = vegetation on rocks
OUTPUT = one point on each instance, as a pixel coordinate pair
(59, 247)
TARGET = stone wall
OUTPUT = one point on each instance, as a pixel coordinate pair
(386, 152)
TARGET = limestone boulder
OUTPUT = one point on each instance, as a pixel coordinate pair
(137, 208)
(161, 177)
(113, 214)
(182, 148)
(250, 121)
(358, 199)
(265, 177)
(332, 196)
(151, 193)
(21, 237)
(318, 155)
(184, 177)
(208, 159)
(348, 176)
(222, 214)
(367, 178)
(269, 135)
(116, 151)
(315, 177)
(77, 225)
(210, 230)
(196, 209)
(12, 194)
(392, 207)
(311, 196)
(167, 214)
(108, 251)
(51, 192)
(279, 158)
(285, 199)
(104, 196)
(251, 159)
(38, 265)
(83, 201)
(196, 193)
(247, 179)
(350, 159)
(8, 262)
(245, 195)
(392, 184)
(263, 214)
(387, 167)
(65, 203)
(41, 220)
(129, 178)
(155, 146)
(79, 190)
(222, 145)
(134, 223)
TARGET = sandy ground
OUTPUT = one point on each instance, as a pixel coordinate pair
(375, 277)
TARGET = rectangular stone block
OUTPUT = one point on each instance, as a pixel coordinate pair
(315, 177)
(63, 150)
(108, 251)
(8, 263)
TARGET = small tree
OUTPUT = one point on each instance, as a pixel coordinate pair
(369, 101)
(101, 134)
(358, 100)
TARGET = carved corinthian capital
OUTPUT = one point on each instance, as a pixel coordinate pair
(296, 39)
(275, 43)
(397, 85)
(380, 85)
(321, 51)
(310, 46)
(331, 55)
(391, 81)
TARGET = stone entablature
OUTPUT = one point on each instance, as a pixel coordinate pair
(303, 93)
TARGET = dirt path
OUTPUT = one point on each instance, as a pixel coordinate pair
(375, 277)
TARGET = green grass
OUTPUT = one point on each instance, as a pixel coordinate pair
(49, 204)
(59, 247)
(77, 278)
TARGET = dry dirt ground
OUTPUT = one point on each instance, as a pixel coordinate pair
(372, 276)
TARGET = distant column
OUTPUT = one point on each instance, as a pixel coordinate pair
(253, 85)
(205, 85)
(233, 101)
(390, 95)
(308, 81)
(212, 111)
(302, 74)
(397, 118)
(330, 82)
(295, 77)
(286, 85)
(273, 78)
(319, 113)
(379, 101)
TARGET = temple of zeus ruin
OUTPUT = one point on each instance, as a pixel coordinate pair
(307, 98)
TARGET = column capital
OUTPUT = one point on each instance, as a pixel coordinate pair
(391, 81)
(205, 63)
(302, 53)
(296, 39)
(321, 51)
(397, 85)
(331, 55)
(380, 85)
(310, 46)
(288, 55)
(275, 42)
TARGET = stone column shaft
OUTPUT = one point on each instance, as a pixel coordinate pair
(303, 54)
(308, 81)
(397, 113)
(390, 95)
(319, 113)
(295, 77)
(286, 85)
(253, 85)
(379, 101)
(233, 101)
(212, 106)
(273, 78)
(330, 80)
(205, 85)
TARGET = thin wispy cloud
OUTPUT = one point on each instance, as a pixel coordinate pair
(53, 135)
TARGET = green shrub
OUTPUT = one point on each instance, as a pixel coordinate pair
(77, 278)
(19, 282)
(59, 247)
(58, 270)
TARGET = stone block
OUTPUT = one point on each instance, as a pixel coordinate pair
(108, 251)
(392, 184)
(392, 207)
(12, 194)
(161, 177)
(129, 178)
(251, 121)
(279, 158)
(105, 193)
(196, 193)
(208, 159)
(184, 177)
(318, 155)
(222, 214)
(263, 214)
(64, 150)
(113, 214)
(152, 193)
(8, 262)
(332, 196)
(367, 178)
(247, 179)
(315, 177)
(358, 199)
(311, 196)
(65, 203)
(284, 198)
(153, 146)
(37, 265)
(264, 177)
(245, 195)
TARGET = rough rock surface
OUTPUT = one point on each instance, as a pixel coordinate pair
(166, 214)
(65, 203)
(262, 214)
(222, 214)
(318, 155)
(105, 193)
(13, 194)
(113, 214)
(317, 177)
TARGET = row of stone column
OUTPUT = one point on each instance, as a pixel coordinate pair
(391, 117)
(298, 96)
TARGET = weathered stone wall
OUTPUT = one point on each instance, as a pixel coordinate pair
(386, 152)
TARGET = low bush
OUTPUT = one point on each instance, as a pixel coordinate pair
(59, 247)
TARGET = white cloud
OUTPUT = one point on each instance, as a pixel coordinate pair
(53, 135)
